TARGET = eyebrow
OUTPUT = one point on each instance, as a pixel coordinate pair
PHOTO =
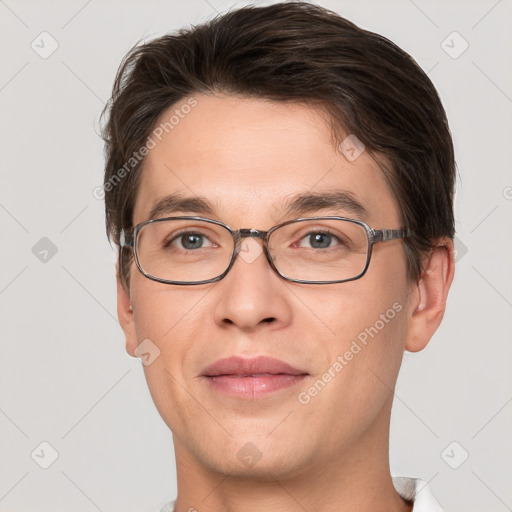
(311, 202)
(298, 204)
(174, 203)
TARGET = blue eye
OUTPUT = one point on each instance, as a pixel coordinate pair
(189, 241)
(319, 239)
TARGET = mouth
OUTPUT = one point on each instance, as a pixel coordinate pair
(251, 378)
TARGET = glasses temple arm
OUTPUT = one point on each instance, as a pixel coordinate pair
(125, 239)
(383, 235)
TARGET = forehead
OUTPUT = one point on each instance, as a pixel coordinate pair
(250, 158)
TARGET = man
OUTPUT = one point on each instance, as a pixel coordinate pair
(280, 185)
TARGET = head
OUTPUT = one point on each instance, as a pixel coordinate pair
(247, 113)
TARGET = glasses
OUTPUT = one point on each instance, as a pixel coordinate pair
(195, 250)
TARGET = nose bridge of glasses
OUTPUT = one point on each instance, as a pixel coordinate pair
(250, 233)
(250, 252)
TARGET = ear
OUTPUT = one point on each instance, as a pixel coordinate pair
(429, 295)
(126, 318)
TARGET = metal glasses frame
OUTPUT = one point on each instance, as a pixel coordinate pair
(128, 239)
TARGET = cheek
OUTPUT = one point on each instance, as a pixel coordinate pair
(356, 309)
(169, 318)
(161, 310)
(359, 362)
(367, 321)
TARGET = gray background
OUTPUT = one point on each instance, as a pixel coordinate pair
(65, 378)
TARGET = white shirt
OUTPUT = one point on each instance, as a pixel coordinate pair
(417, 490)
(409, 488)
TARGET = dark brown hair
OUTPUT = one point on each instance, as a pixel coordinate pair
(292, 51)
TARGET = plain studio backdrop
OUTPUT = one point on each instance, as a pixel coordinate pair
(78, 429)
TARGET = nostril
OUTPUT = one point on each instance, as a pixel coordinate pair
(269, 319)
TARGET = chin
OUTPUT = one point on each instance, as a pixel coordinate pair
(255, 460)
(267, 471)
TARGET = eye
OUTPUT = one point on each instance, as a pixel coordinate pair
(319, 240)
(189, 241)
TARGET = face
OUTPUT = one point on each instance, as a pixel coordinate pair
(344, 341)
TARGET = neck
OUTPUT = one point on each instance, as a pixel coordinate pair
(357, 478)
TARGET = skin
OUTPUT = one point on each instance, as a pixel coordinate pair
(248, 156)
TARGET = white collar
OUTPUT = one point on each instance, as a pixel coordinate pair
(417, 490)
(409, 488)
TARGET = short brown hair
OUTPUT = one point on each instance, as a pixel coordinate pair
(292, 51)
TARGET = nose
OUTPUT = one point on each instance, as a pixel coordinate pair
(252, 295)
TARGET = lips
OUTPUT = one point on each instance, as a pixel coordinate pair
(241, 367)
(251, 378)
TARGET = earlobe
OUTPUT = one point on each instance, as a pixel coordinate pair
(429, 296)
(126, 317)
